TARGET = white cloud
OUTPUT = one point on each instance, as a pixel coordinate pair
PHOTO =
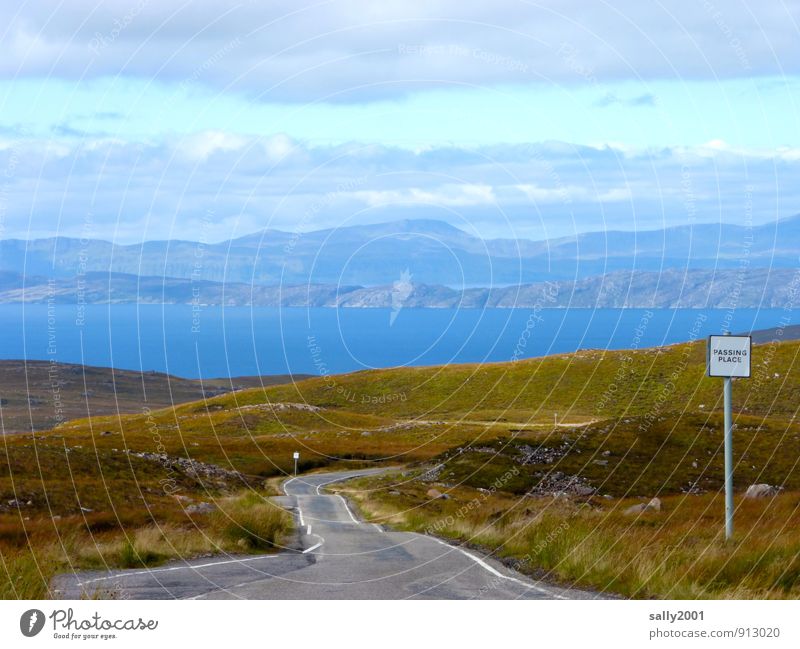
(161, 190)
(357, 49)
(445, 195)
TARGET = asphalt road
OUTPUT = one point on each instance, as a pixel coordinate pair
(335, 556)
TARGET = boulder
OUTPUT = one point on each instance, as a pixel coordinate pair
(653, 506)
(200, 508)
(433, 494)
(761, 491)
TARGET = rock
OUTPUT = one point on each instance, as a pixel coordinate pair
(242, 543)
(433, 494)
(653, 506)
(86, 510)
(105, 433)
(600, 462)
(694, 465)
(15, 503)
(761, 491)
(394, 492)
(200, 508)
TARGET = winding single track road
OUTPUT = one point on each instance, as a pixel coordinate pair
(336, 556)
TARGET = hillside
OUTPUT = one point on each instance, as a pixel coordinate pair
(37, 395)
(671, 288)
(630, 424)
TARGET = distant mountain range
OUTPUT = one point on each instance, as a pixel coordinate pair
(433, 253)
(778, 288)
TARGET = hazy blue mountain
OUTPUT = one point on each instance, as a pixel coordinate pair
(433, 252)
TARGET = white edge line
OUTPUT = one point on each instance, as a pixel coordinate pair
(344, 502)
(497, 573)
(286, 484)
(300, 514)
(156, 570)
(378, 527)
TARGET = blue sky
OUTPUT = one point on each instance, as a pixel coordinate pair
(132, 120)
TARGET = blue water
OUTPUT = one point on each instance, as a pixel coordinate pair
(235, 341)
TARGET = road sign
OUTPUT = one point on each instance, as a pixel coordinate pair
(729, 356)
(296, 455)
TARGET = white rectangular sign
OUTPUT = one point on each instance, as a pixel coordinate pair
(729, 356)
(296, 455)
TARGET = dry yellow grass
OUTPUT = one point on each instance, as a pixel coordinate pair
(678, 552)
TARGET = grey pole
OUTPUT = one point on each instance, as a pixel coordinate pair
(295, 466)
(727, 391)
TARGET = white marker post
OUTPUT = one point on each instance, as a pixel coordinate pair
(296, 456)
(729, 357)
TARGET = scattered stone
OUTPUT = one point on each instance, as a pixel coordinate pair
(761, 491)
(105, 433)
(653, 506)
(210, 475)
(600, 462)
(86, 510)
(559, 483)
(200, 508)
(394, 492)
(541, 454)
(606, 453)
(433, 494)
(432, 475)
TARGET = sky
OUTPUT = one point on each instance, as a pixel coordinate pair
(144, 120)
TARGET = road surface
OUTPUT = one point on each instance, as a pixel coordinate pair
(336, 556)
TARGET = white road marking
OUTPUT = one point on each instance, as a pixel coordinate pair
(286, 484)
(308, 529)
(344, 502)
(300, 513)
(314, 547)
(156, 570)
(378, 527)
(497, 573)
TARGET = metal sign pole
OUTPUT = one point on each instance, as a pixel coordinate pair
(727, 393)
(295, 467)
(728, 357)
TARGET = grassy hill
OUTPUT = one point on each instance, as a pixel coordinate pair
(629, 424)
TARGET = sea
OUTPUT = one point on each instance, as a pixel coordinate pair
(204, 342)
